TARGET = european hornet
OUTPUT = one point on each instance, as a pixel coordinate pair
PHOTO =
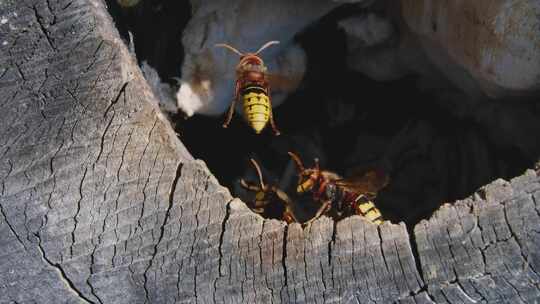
(351, 195)
(269, 196)
(253, 87)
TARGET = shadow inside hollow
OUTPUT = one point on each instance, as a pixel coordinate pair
(343, 118)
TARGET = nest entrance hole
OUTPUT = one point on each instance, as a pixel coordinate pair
(337, 115)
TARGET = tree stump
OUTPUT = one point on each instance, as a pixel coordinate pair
(101, 202)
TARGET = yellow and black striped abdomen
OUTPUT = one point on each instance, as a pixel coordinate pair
(256, 107)
(367, 209)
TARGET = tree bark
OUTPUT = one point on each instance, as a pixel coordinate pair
(101, 202)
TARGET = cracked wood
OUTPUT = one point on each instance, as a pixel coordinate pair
(94, 208)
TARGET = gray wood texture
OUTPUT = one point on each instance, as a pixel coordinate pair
(101, 203)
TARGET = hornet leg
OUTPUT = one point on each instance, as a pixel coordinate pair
(231, 108)
(323, 209)
(272, 122)
(248, 186)
(288, 214)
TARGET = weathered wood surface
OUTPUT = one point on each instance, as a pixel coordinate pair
(101, 203)
(485, 248)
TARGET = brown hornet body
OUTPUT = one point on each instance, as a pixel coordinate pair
(252, 86)
(348, 196)
(267, 197)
